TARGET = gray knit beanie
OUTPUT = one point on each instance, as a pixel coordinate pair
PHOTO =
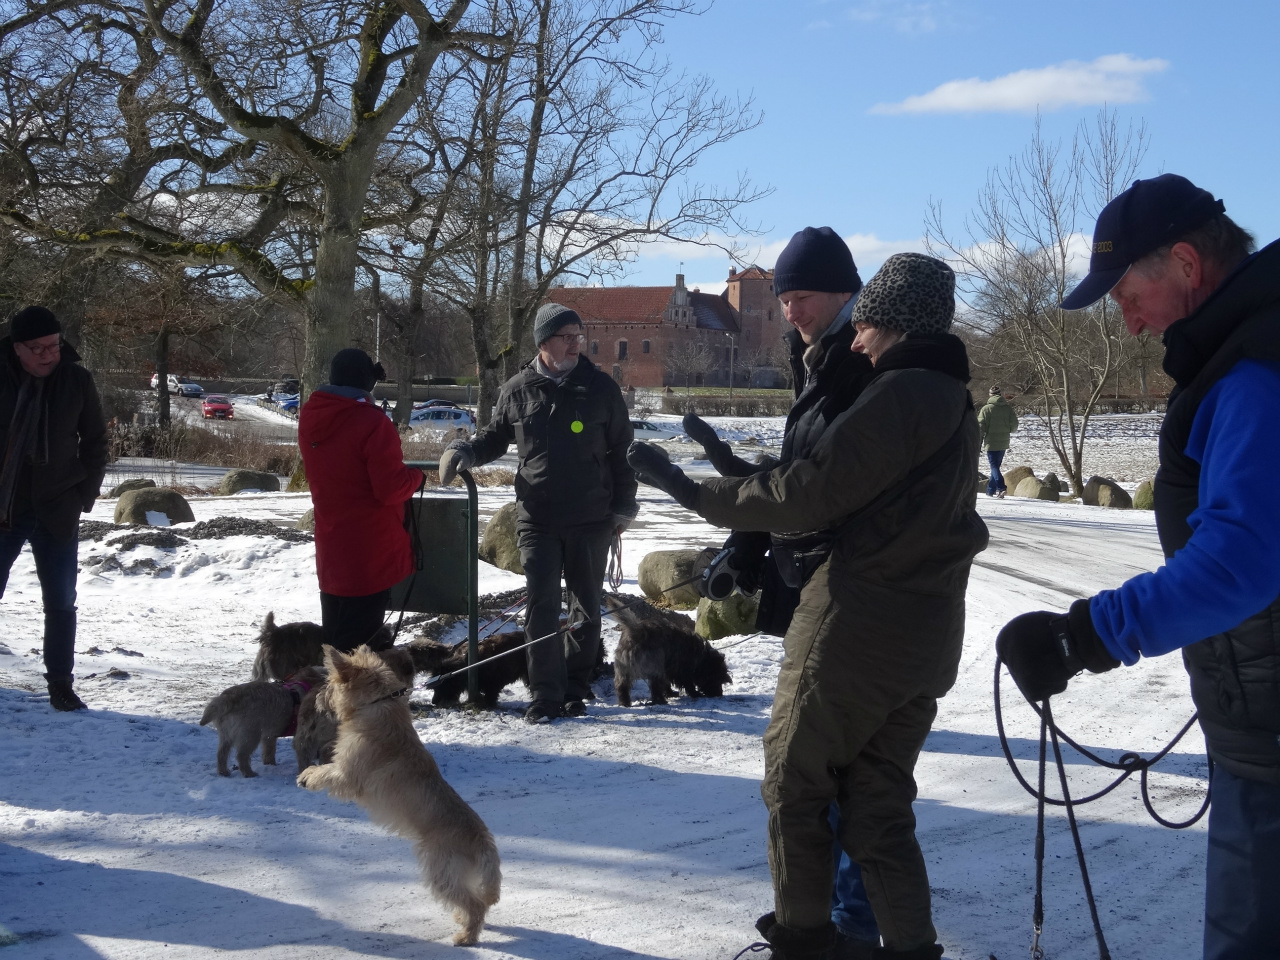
(551, 317)
(911, 293)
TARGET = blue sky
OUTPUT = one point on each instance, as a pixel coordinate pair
(873, 107)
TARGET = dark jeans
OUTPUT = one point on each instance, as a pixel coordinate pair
(850, 909)
(1242, 874)
(351, 621)
(580, 553)
(57, 566)
(996, 483)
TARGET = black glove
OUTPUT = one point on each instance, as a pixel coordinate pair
(1044, 650)
(719, 453)
(750, 551)
(652, 467)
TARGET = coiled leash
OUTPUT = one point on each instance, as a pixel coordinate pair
(615, 560)
(1128, 764)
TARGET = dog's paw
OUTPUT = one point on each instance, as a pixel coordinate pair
(309, 779)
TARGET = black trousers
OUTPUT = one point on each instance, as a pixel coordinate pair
(581, 554)
(351, 621)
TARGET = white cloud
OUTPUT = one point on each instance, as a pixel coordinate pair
(905, 17)
(1115, 78)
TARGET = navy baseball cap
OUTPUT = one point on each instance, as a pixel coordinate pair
(1144, 218)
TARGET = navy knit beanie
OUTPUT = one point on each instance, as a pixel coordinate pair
(551, 317)
(354, 368)
(32, 323)
(816, 259)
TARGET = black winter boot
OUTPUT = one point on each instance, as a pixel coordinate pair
(61, 696)
(852, 948)
(788, 943)
(932, 951)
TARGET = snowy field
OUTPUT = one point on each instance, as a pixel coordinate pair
(630, 833)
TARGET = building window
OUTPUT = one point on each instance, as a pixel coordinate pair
(770, 315)
(746, 336)
(622, 349)
(644, 346)
(617, 373)
(595, 347)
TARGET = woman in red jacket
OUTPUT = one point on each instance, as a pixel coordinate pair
(359, 486)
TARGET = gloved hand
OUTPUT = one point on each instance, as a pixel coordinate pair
(457, 456)
(622, 519)
(654, 468)
(749, 555)
(1044, 650)
(719, 453)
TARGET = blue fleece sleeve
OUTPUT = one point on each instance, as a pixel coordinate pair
(1230, 568)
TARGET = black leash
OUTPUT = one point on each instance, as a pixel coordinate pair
(615, 560)
(1128, 764)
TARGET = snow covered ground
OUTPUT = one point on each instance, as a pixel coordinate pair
(631, 833)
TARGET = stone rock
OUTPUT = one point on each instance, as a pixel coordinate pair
(1144, 498)
(1101, 492)
(726, 618)
(306, 522)
(1033, 489)
(134, 505)
(662, 569)
(233, 481)
(1015, 476)
(298, 479)
(498, 546)
(136, 483)
(1052, 480)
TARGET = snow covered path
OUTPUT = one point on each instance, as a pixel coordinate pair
(631, 833)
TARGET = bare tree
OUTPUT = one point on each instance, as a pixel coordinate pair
(1021, 251)
(689, 360)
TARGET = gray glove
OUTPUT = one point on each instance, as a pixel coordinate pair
(457, 456)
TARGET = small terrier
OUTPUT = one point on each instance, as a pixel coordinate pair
(381, 764)
(285, 649)
(437, 659)
(659, 646)
(256, 712)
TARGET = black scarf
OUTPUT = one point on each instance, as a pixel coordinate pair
(943, 352)
(24, 434)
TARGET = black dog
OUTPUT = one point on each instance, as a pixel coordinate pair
(659, 646)
(284, 650)
(438, 659)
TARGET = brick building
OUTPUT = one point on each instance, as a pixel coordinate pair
(659, 336)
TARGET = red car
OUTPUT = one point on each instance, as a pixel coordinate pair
(217, 407)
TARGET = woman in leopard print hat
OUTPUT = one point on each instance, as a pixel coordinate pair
(911, 295)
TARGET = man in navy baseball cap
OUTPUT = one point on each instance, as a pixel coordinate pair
(1178, 266)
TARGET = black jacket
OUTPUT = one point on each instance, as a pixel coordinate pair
(1235, 675)
(67, 483)
(572, 439)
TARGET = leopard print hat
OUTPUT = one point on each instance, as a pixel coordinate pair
(911, 293)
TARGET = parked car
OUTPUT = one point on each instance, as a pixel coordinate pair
(217, 407)
(179, 386)
(648, 430)
(446, 422)
(286, 402)
(436, 403)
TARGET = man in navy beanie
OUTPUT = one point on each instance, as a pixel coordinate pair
(53, 456)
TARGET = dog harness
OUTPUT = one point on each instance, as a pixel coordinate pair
(297, 689)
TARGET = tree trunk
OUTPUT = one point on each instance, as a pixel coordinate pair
(162, 373)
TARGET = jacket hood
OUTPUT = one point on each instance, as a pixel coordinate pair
(325, 413)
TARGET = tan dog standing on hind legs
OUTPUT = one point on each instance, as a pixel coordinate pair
(380, 763)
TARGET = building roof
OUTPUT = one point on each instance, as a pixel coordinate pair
(752, 272)
(712, 312)
(614, 304)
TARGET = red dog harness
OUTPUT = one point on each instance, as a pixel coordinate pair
(297, 689)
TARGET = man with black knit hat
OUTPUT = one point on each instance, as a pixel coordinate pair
(1175, 263)
(53, 456)
(574, 490)
(877, 637)
(359, 485)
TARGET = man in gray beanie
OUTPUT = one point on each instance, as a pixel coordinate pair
(877, 637)
(575, 491)
(53, 456)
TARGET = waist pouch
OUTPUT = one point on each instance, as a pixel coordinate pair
(798, 558)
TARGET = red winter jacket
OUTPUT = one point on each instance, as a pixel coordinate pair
(359, 485)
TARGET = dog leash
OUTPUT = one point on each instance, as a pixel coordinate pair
(615, 559)
(1128, 764)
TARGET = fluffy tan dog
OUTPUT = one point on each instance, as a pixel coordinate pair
(380, 763)
(252, 713)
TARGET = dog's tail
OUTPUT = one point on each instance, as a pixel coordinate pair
(490, 887)
(259, 671)
(213, 711)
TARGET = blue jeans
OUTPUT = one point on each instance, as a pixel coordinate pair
(996, 483)
(57, 566)
(1242, 874)
(850, 908)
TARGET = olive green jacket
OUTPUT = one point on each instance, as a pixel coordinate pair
(997, 421)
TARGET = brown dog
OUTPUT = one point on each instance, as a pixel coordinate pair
(285, 649)
(252, 713)
(659, 646)
(380, 763)
(438, 659)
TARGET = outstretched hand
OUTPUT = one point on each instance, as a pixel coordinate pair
(654, 468)
(457, 456)
(719, 453)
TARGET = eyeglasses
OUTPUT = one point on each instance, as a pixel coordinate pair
(569, 339)
(42, 351)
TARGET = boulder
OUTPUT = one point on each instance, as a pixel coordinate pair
(153, 506)
(1101, 492)
(498, 546)
(662, 569)
(1033, 489)
(135, 484)
(726, 618)
(306, 522)
(1015, 476)
(236, 480)
(1144, 498)
(1051, 479)
(298, 479)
